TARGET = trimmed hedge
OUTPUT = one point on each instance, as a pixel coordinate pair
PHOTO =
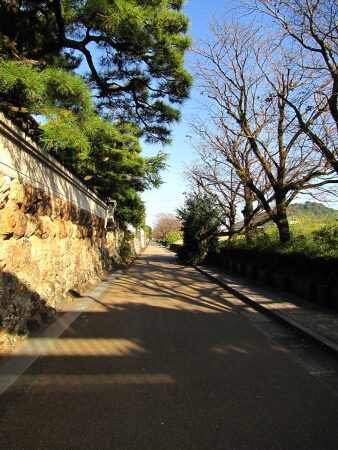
(318, 268)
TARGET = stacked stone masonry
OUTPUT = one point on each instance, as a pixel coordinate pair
(53, 235)
(47, 247)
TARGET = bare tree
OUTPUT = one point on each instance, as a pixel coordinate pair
(165, 223)
(216, 176)
(218, 179)
(309, 29)
(249, 95)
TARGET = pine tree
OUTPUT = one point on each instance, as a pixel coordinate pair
(133, 51)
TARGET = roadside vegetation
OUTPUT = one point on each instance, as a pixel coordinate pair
(315, 238)
(171, 237)
(313, 229)
(167, 229)
(312, 250)
(266, 134)
(201, 222)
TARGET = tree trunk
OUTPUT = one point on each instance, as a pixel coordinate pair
(233, 235)
(250, 234)
(281, 221)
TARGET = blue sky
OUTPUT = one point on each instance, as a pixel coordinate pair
(170, 195)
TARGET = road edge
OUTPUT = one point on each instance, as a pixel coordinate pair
(278, 316)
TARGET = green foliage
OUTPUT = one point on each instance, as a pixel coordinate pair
(66, 90)
(114, 167)
(62, 134)
(328, 236)
(171, 237)
(46, 91)
(311, 239)
(201, 226)
(315, 240)
(21, 84)
(149, 232)
(61, 97)
(126, 250)
(133, 51)
(154, 165)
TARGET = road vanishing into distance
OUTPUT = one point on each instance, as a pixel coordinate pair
(167, 359)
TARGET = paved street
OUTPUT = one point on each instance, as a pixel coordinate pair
(166, 359)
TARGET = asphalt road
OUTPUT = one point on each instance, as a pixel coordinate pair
(166, 359)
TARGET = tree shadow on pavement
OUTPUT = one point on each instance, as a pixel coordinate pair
(164, 360)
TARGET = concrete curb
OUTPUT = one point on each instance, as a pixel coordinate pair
(276, 315)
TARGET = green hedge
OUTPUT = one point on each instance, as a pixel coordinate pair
(318, 268)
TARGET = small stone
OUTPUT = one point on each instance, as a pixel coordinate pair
(81, 232)
(62, 229)
(46, 290)
(57, 208)
(7, 223)
(20, 256)
(74, 213)
(65, 211)
(54, 229)
(29, 200)
(17, 194)
(69, 228)
(43, 227)
(20, 225)
(74, 231)
(31, 226)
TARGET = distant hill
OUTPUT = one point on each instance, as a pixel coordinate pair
(311, 210)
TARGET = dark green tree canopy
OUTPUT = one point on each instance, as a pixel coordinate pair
(105, 155)
(132, 52)
(201, 219)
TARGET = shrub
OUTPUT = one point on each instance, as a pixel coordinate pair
(148, 231)
(201, 226)
(171, 237)
(126, 249)
(312, 251)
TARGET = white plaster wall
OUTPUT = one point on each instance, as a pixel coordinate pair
(21, 158)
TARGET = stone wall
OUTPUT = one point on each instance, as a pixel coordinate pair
(47, 247)
(53, 236)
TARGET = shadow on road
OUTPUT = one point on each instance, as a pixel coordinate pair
(165, 360)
